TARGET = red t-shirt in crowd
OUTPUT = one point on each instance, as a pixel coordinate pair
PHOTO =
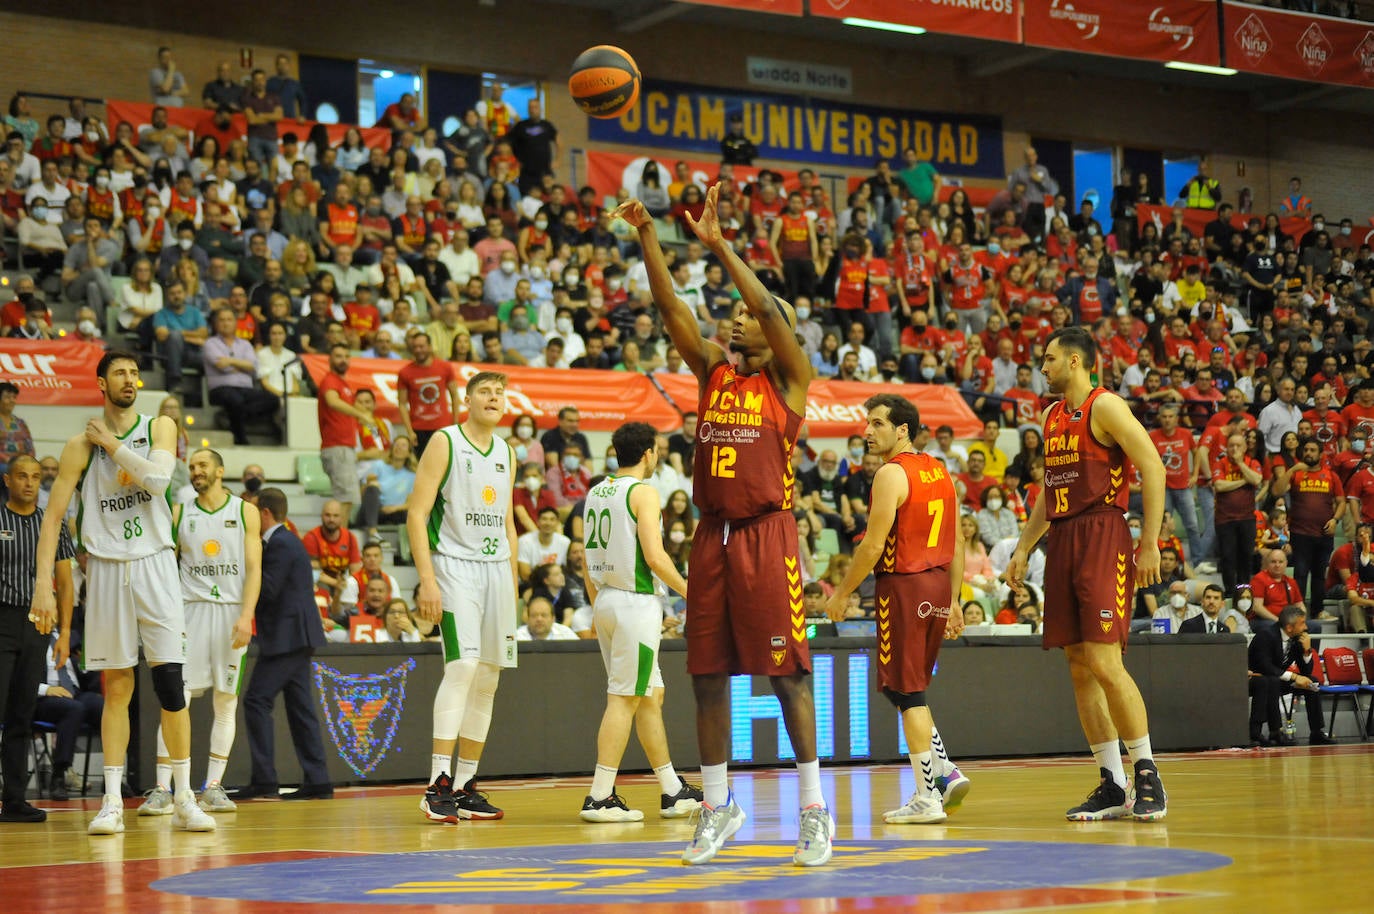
(426, 388)
(1355, 414)
(973, 491)
(1329, 429)
(1312, 498)
(1274, 593)
(337, 429)
(334, 556)
(1176, 451)
(1360, 485)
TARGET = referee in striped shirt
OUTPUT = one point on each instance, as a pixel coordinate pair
(24, 634)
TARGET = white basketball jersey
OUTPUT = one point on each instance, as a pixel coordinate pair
(468, 520)
(211, 547)
(614, 556)
(117, 519)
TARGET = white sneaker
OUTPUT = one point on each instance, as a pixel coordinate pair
(156, 802)
(214, 799)
(918, 810)
(611, 809)
(814, 843)
(110, 819)
(1206, 568)
(714, 828)
(956, 787)
(188, 816)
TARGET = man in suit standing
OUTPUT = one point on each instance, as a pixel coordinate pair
(289, 630)
(1272, 651)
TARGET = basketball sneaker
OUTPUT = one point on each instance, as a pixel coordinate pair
(955, 787)
(472, 803)
(1151, 803)
(437, 803)
(188, 816)
(214, 799)
(157, 802)
(918, 810)
(110, 819)
(1107, 801)
(680, 804)
(715, 825)
(611, 809)
(814, 842)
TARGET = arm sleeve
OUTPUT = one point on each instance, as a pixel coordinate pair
(153, 473)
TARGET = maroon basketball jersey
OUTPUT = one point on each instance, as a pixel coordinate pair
(1081, 473)
(745, 436)
(922, 534)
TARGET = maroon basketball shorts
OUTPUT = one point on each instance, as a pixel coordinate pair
(1089, 580)
(744, 598)
(912, 610)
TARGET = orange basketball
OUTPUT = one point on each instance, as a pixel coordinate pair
(604, 81)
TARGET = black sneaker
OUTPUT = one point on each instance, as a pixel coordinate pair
(1151, 803)
(21, 811)
(681, 804)
(437, 803)
(472, 804)
(57, 786)
(1107, 801)
(611, 809)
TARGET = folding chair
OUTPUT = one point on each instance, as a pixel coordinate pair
(1368, 654)
(1338, 675)
(311, 475)
(42, 751)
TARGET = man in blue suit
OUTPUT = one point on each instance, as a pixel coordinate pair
(289, 630)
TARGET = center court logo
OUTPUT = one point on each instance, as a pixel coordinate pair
(609, 876)
(362, 711)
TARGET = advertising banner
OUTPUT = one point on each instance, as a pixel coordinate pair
(1196, 220)
(998, 20)
(1298, 45)
(1164, 30)
(610, 171)
(139, 113)
(52, 372)
(784, 7)
(791, 128)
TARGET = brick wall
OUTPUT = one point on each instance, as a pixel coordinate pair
(95, 55)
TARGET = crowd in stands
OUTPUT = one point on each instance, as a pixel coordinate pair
(1243, 349)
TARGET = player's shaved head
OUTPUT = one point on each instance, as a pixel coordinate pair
(212, 454)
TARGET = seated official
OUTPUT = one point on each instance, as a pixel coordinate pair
(67, 701)
(1215, 618)
(1273, 650)
(539, 624)
(1176, 609)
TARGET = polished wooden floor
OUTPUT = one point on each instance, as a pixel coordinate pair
(1294, 828)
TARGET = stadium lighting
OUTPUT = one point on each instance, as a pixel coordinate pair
(1199, 68)
(387, 74)
(883, 26)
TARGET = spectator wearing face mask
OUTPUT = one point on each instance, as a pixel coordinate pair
(569, 480)
(996, 521)
(1176, 610)
(530, 497)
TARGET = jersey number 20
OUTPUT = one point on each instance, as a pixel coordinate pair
(598, 526)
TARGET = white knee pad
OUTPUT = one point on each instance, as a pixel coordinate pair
(452, 697)
(477, 718)
(222, 730)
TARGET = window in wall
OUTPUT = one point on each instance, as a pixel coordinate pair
(1094, 170)
(1178, 172)
(381, 84)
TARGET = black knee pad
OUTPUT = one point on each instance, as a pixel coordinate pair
(905, 701)
(169, 686)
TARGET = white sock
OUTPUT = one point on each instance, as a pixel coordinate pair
(715, 785)
(439, 764)
(464, 770)
(1139, 750)
(181, 775)
(809, 783)
(214, 772)
(668, 781)
(603, 782)
(1108, 756)
(944, 767)
(164, 776)
(923, 765)
(114, 780)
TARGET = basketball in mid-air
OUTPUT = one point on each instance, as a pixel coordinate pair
(604, 81)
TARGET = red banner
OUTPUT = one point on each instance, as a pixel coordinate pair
(610, 171)
(1298, 45)
(835, 409)
(606, 399)
(999, 20)
(1163, 30)
(52, 373)
(1197, 219)
(139, 113)
(785, 7)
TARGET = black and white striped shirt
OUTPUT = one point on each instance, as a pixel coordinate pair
(19, 554)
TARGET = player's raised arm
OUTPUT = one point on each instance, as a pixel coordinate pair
(1112, 416)
(644, 502)
(700, 354)
(775, 318)
(428, 477)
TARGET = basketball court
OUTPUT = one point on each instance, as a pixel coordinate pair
(1248, 830)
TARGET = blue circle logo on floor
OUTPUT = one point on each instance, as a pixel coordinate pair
(630, 872)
